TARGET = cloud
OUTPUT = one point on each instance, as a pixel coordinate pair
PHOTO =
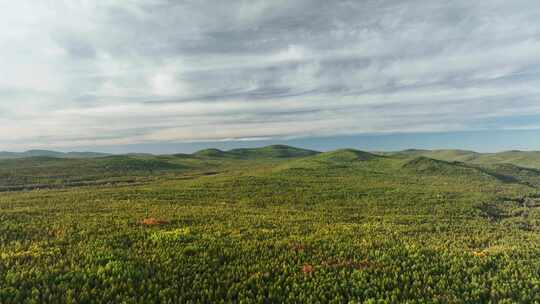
(141, 71)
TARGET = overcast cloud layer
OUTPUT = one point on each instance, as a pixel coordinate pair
(79, 73)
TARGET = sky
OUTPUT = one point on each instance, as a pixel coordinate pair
(167, 76)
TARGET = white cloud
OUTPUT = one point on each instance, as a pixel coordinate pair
(120, 72)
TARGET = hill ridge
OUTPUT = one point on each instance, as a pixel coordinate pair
(50, 153)
(272, 151)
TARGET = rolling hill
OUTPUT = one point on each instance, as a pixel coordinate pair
(346, 155)
(269, 152)
(527, 159)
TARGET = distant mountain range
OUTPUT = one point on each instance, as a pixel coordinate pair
(527, 159)
(47, 153)
(42, 168)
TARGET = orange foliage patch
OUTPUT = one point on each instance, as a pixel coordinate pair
(153, 221)
(307, 269)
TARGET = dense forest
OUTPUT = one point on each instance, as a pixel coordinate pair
(270, 225)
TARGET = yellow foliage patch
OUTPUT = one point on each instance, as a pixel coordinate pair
(480, 254)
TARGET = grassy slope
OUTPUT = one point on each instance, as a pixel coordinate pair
(338, 226)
